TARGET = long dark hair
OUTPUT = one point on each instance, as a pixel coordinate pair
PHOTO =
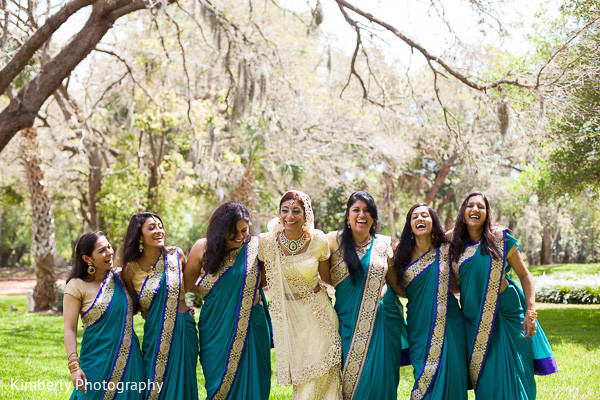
(460, 235)
(402, 255)
(85, 246)
(131, 242)
(222, 225)
(352, 261)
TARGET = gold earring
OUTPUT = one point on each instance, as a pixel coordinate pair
(91, 270)
(141, 246)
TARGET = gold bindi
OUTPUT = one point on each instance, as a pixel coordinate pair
(291, 202)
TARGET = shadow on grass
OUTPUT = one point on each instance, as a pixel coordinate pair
(576, 325)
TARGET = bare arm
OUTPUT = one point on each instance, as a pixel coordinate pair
(324, 271)
(193, 269)
(263, 275)
(392, 279)
(516, 262)
(71, 307)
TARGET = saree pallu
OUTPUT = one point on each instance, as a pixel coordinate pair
(110, 351)
(235, 338)
(502, 362)
(372, 330)
(436, 329)
(170, 345)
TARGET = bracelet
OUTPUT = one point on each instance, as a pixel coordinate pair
(71, 355)
(532, 315)
(74, 365)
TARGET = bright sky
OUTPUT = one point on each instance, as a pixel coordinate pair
(422, 21)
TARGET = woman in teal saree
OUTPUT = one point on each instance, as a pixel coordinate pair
(110, 364)
(234, 324)
(153, 273)
(372, 328)
(436, 329)
(506, 344)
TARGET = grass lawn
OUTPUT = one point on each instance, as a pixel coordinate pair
(31, 350)
(581, 269)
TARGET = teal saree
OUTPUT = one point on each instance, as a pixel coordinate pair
(502, 362)
(436, 329)
(170, 344)
(110, 351)
(372, 330)
(235, 336)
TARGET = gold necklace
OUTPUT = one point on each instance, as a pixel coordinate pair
(293, 246)
(365, 243)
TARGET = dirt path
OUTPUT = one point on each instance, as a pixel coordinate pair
(17, 281)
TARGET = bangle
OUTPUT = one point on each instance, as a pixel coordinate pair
(74, 365)
(532, 315)
(71, 355)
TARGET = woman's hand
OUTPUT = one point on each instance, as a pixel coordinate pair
(78, 379)
(529, 323)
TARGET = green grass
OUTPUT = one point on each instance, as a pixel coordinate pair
(31, 349)
(574, 268)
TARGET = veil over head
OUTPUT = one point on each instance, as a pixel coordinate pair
(309, 224)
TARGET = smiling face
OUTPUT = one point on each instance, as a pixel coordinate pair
(237, 239)
(360, 218)
(153, 233)
(292, 216)
(102, 255)
(421, 222)
(475, 212)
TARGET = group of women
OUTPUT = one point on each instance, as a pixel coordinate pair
(350, 348)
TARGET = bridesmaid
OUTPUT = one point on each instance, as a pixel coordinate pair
(235, 337)
(153, 274)
(371, 327)
(506, 344)
(436, 328)
(111, 365)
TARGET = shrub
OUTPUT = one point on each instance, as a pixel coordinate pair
(568, 288)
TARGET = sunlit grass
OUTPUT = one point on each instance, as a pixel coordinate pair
(31, 349)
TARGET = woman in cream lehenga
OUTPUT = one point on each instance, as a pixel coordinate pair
(307, 342)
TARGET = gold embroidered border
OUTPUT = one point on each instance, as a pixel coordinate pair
(151, 284)
(361, 339)
(101, 302)
(420, 265)
(488, 312)
(339, 272)
(468, 253)
(124, 349)
(173, 281)
(436, 343)
(238, 344)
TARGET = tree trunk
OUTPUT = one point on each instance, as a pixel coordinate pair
(546, 251)
(440, 177)
(94, 183)
(390, 197)
(245, 193)
(42, 226)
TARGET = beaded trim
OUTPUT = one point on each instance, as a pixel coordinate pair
(122, 356)
(361, 338)
(171, 307)
(488, 311)
(101, 303)
(438, 333)
(238, 344)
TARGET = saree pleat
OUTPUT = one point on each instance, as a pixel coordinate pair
(440, 365)
(234, 346)
(110, 353)
(170, 344)
(374, 374)
(505, 369)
